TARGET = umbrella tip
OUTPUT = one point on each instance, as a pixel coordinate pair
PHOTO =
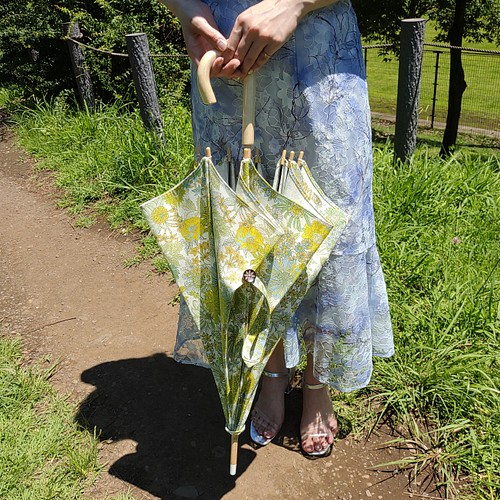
(283, 157)
(301, 156)
(234, 454)
(292, 156)
(208, 152)
(247, 153)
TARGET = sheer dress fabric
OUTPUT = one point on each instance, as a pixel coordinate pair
(312, 96)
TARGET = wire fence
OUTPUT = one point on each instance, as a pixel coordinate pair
(481, 99)
(121, 54)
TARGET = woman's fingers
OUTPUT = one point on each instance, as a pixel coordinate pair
(254, 52)
(220, 69)
(204, 28)
(260, 31)
(264, 56)
(217, 67)
(200, 30)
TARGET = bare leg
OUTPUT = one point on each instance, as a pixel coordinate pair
(269, 411)
(318, 426)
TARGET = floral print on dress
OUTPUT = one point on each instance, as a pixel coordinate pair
(312, 96)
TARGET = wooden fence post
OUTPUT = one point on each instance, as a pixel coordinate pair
(410, 71)
(144, 81)
(82, 76)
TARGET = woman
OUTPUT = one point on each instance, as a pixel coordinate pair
(311, 95)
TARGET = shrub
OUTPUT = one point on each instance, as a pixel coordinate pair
(33, 54)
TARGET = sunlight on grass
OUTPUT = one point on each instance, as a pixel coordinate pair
(43, 454)
(107, 155)
(438, 226)
(481, 100)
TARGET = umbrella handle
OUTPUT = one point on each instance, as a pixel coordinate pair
(248, 114)
(203, 77)
(208, 96)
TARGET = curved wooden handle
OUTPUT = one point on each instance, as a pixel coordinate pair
(203, 78)
(208, 96)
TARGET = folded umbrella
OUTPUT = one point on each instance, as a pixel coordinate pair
(243, 260)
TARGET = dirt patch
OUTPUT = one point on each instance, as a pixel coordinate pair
(66, 291)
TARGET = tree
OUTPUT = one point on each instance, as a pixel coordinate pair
(455, 20)
(34, 57)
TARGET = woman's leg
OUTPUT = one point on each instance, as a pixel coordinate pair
(269, 411)
(318, 426)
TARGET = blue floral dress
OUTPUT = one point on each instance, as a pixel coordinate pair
(312, 96)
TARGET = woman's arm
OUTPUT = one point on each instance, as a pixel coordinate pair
(264, 28)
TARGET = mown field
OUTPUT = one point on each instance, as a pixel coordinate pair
(481, 101)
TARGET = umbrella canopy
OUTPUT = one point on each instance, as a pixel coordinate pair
(243, 261)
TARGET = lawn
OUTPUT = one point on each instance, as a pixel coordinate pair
(481, 101)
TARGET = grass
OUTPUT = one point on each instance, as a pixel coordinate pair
(438, 226)
(437, 223)
(481, 101)
(106, 159)
(43, 454)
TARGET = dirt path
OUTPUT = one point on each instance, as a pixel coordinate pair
(66, 291)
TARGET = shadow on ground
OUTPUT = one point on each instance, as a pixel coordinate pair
(173, 413)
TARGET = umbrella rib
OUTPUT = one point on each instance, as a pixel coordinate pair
(223, 331)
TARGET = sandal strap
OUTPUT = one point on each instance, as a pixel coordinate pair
(275, 374)
(318, 434)
(289, 374)
(314, 386)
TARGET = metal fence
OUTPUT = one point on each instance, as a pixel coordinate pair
(481, 100)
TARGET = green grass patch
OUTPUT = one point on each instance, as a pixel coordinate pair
(106, 158)
(481, 100)
(43, 454)
(438, 227)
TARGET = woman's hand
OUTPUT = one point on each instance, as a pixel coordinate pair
(257, 34)
(201, 34)
(263, 29)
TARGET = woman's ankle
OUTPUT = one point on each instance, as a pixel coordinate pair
(308, 377)
(276, 362)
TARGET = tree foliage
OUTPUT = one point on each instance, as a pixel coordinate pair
(34, 55)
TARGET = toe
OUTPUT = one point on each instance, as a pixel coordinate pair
(263, 425)
(320, 444)
(307, 445)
